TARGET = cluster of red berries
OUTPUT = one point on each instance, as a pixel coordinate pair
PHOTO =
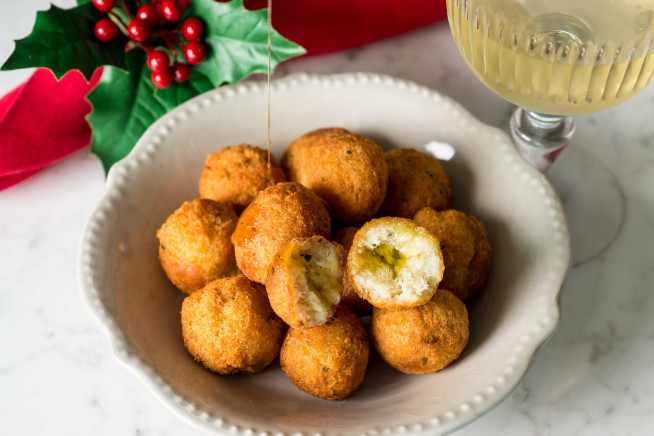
(154, 28)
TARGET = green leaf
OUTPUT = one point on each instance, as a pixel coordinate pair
(124, 106)
(130, 3)
(178, 93)
(238, 41)
(64, 40)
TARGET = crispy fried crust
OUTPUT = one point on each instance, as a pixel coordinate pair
(394, 263)
(466, 251)
(422, 339)
(278, 214)
(230, 328)
(415, 180)
(194, 243)
(236, 174)
(305, 282)
(328, 361)
(294, 155)
(346, 169)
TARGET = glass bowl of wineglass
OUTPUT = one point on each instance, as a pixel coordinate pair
(555, 59)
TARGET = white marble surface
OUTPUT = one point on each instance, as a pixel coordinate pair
(595, 376)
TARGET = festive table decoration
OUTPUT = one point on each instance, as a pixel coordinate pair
(44, 120)
(155, 55)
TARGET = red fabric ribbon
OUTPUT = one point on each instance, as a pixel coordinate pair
(43, 121)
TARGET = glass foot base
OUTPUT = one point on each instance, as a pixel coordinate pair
(593, 200)
(540, 138)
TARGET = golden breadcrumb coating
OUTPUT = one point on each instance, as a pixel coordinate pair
(194, 243)
(328, 361)
(415, 180)
(230, 328)
(294, 156)
(347, 170)
(422, 339)
(236, 174)
(466, 251)
(279, 213)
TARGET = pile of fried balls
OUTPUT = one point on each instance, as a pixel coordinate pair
(341, 246)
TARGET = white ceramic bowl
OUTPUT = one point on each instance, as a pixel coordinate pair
(121, 278)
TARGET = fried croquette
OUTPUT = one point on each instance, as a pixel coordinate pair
(294, 156)
(422, 339)
(328, 361)
(347, 170)
(194, 243)
(305, 282)
(281, 212)
(394, 263)
(345, 236)
(466, 251)
(236, 174)
(230, 327)
(415, 180)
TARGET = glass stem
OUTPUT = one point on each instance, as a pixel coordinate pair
(541, 138)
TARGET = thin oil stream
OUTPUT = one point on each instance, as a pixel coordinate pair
(268, 142)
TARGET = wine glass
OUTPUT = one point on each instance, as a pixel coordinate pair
(554, 59)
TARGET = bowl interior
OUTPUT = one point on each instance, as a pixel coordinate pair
(518, 310)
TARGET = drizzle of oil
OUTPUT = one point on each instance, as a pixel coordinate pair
(268, 142)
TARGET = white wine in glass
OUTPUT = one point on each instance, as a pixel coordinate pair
(555, 58)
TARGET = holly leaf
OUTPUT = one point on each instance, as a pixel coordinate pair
(178, 93)
(132, 4)
(124, 106)
(64, 40)
(238, 41)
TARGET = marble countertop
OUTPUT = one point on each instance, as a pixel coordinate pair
(595, 376)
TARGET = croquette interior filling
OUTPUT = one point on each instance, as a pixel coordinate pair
(396, 262)
(317, 276)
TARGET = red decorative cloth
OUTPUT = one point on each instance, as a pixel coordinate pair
(332, 25)
(43, 121)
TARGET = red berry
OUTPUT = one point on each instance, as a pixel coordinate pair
(162, 79)
(105, 29)
(194, 52)
(170, 10)
(183, 3)
(158, 61)
(138, 30)
(181, 72)
(193, 28)
(104, 5)
(148, 13)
